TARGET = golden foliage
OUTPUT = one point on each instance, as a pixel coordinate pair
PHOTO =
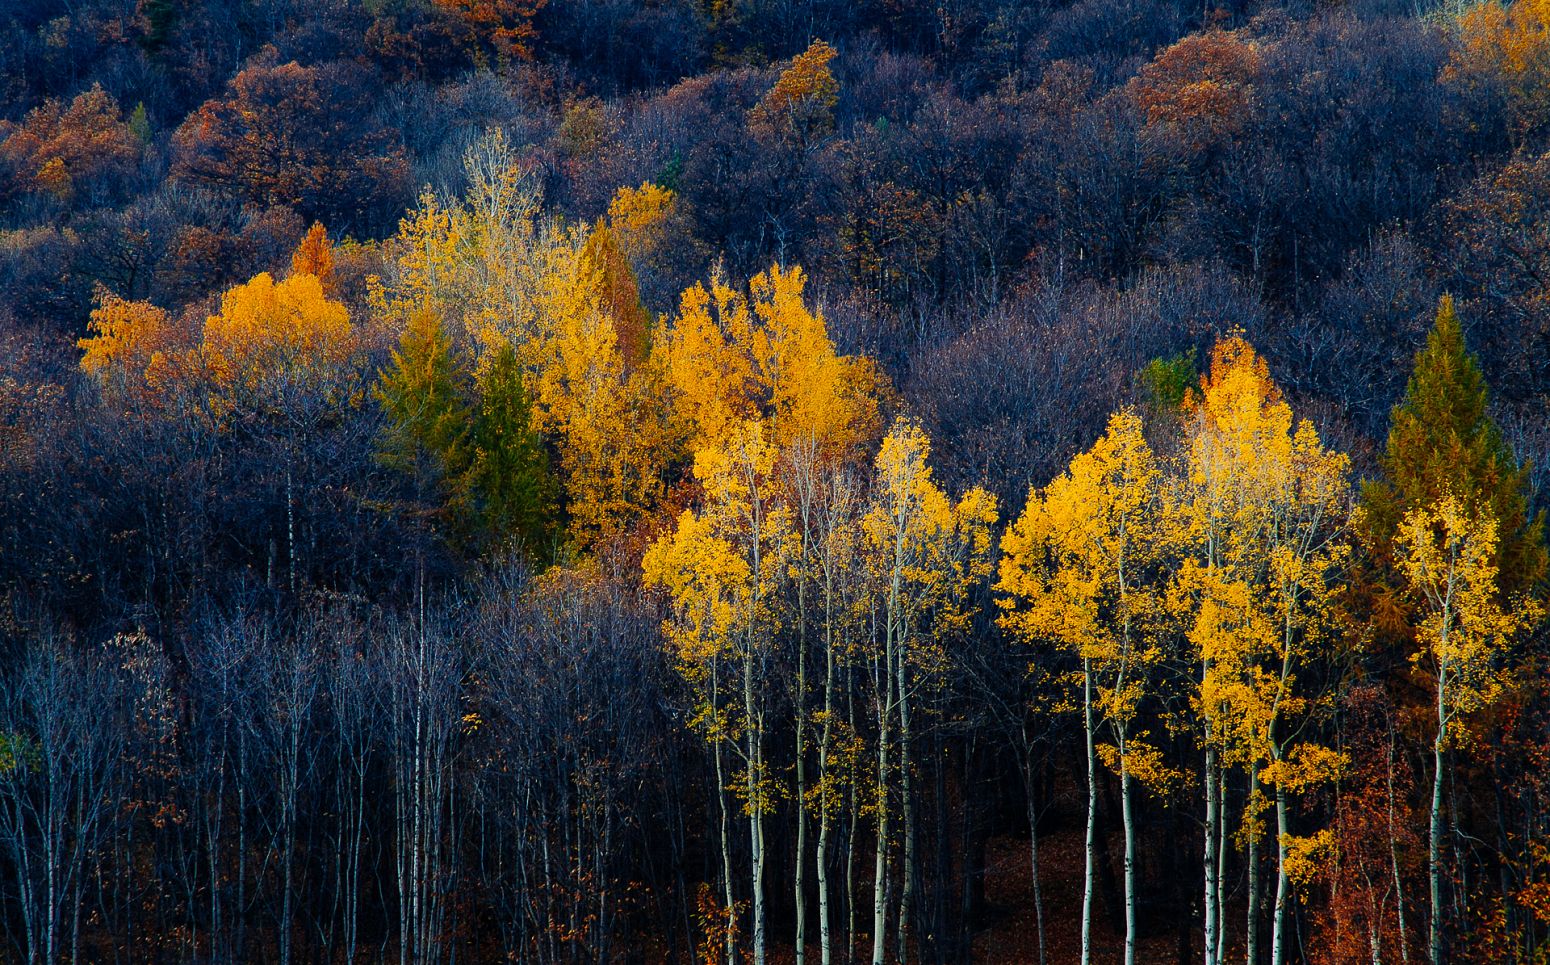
(730, 358)
(925, 553)
(127, 345)
(1082, 568)
(499, 274)
(606, 416)
(637, 214)
(800, 106)
(273, 339)
(722, 567)
(1307, 856)
(1265, 509)
(1446, 554)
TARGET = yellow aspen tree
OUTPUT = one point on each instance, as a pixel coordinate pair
(620, 293)
(723, 568)
(828, 514)
(731, 357)
(923, 555)
(127, 344)
(636, 212)
(823, 492)
(606, 416)
(1082, 568)
(1447, 554)
(813, 391)
(800, 107)
(1266, 514)
(421, 261)
(275, 344)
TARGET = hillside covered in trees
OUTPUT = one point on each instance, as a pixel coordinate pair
(770, 481)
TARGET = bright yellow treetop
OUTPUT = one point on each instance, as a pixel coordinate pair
(128, 345)
(277, 337)
(1265, 517)
(1446, 554)
(731, 357)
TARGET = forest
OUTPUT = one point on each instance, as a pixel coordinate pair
(774, 482)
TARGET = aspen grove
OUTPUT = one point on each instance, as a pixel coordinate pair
(774, 481)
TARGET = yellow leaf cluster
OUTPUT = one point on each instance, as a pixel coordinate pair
(638, 215)
(925, 552)
(1446, 554)
(1308, 856)
(273, 338)
(1506, 46)
(127, 346)
(731, 357)
(605, 415)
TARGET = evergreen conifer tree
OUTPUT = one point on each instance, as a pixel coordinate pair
(1442, 440)
(510, 472)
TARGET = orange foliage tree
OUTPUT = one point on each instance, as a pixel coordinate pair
(800, 107)
(60, 149)
(128, 344)
(315, 256)
(294, 135)
(504, 26)
(1202, 86)
(1505, 49)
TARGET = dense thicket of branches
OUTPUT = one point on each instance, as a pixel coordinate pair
(674, 480)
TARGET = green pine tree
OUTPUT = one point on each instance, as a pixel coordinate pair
(1442, 439)
(427, 435)
(510, 472)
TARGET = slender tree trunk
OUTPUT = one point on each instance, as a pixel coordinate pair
(726, 828)
(1092, 813)
(853, 829)
(1221, 862)
(1434, 838)
(1283, 884)
(1209, 866)
(290, 531)
(1251, 857)
(1033, 847)
(1399, 887)
(880, 863)
(907, 806)
(753, 780)
(1130, 855)
(799, 886)
(825, 806)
